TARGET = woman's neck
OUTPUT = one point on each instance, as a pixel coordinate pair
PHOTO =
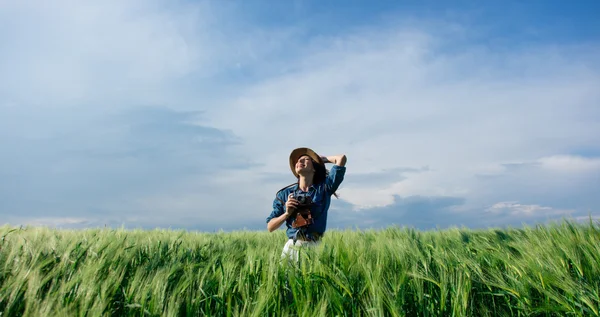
(304, 182)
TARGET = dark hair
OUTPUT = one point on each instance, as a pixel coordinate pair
(321, 174)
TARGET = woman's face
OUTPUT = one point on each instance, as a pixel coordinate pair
(304, 163)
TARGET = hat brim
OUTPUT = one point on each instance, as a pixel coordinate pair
(297, 153)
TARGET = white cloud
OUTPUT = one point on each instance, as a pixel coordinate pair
(594, 218)
(511, 208)
(68, 52)
(61, 222)
(366, 198)
(571, 164)
(516, 213)
(113, 54)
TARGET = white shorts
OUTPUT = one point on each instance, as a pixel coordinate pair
(290, 249)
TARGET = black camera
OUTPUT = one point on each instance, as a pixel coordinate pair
(302, 213)
(303, 200)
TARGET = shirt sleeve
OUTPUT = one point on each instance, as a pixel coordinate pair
(335, 178)
(278, 208)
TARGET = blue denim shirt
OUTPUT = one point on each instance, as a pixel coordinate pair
(321, 196)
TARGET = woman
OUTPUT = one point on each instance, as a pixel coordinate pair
(313, 182)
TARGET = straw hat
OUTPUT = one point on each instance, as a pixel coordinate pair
(297, 153)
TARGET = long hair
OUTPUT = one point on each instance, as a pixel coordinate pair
(321, 174)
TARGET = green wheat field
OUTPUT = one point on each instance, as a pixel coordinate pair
(544, 270)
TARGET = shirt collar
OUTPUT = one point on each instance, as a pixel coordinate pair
(310, 188)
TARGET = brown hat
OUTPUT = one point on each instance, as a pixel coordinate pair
(297, 153)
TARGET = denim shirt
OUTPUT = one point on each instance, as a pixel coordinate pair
(321, 197)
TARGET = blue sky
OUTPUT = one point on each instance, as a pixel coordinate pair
(182, 114)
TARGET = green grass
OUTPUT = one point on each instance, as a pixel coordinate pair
(551, 270)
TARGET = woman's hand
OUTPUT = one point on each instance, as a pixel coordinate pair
(291, 205)
(290, 210)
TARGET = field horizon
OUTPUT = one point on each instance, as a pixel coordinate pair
(550, 269)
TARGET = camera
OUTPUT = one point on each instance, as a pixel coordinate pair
(304, 201)
(302, 213)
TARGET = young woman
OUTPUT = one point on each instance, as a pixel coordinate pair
(315, 185)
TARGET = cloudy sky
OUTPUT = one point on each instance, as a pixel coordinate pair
(182, 114)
